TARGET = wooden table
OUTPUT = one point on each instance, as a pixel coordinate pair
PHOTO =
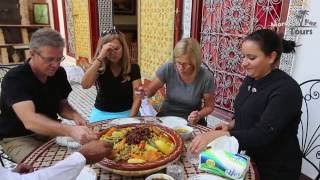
(50, 153)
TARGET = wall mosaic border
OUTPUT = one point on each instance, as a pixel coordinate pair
(287, 60)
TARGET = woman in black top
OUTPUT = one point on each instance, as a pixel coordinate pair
(115, 78)
(267, 110)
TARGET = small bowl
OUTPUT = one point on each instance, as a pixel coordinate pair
(184, 131)
(159, 176)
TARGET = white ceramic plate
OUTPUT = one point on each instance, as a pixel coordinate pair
(121, 121)
(173, 121)
(206, 177)
(87, 173)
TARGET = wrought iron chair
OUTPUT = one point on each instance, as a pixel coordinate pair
(4, 156)
(3, 70)
(309, 128)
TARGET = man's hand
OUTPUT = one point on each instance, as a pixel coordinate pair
(95, 151)
(23, 168)
(79, 120)
(82, 134)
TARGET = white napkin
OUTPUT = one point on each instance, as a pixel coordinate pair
(67, 140)
(146, 109)
(87, 173)
(227, 143)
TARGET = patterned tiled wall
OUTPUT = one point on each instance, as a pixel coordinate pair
(287, 59)
(156, 32)
(70, 27)
(186, 18)
(224, 24)
(105, 15)
(81, 27)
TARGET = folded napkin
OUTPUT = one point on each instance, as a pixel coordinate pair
(146, 109)
(87, 173)
(67, 140)
(226, 143)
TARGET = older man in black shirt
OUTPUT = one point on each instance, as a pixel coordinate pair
(33, 94)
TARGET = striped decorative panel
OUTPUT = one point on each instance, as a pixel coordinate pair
(105, 15)
(81, 28)
(156, 32)
(70, 28)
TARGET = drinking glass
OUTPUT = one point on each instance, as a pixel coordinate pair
(150, 119)
(193, 159)
(194, 177)
(73, 146)
(176, 170)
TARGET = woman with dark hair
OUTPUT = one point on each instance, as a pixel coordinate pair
(267, 110)
(115, 78)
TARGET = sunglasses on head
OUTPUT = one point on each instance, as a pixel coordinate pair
(110, 31)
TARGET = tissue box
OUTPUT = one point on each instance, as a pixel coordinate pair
(224, 163)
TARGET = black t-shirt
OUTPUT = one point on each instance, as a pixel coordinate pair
(115, 94)
(20, 84)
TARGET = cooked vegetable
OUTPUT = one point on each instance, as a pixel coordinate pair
(138, 145)
(151, 143)
(120, 145)
(111, 130)
(142, 144)
(152, 155)
(164, 147)
(148, 147)
(181, 130)
(135, 160)
(117, 134)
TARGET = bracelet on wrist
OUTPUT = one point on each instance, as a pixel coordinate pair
(101, 68)
(99, 60)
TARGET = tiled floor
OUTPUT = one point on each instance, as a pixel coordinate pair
(82, 99)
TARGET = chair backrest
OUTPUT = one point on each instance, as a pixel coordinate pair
(309, 128)
(4, 69)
